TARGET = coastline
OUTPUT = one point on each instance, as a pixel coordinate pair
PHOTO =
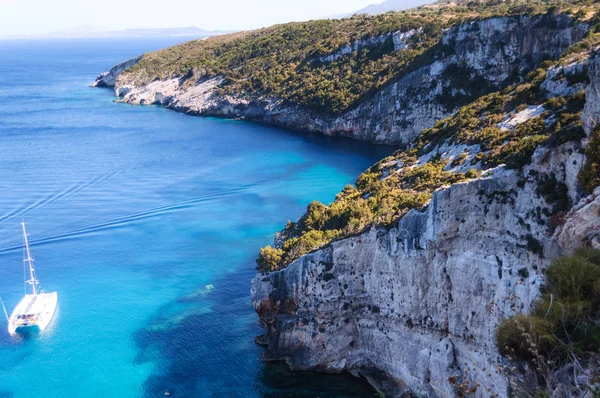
(427, 91)
(361, 303)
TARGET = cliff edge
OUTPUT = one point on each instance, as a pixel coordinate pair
(375, 78)
(420, 300)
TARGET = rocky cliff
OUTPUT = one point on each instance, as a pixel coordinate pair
(469, 60)
(420, 301)
(405, 277)
(109, 79)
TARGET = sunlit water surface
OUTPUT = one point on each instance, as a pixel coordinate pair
(147, 223)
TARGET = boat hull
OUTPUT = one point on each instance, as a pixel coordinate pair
(33, 314)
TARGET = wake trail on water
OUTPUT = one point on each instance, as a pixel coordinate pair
(129, 218)
(70, 191)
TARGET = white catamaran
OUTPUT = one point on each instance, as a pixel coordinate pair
(36, 309)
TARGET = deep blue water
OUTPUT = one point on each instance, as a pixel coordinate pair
(147, 223)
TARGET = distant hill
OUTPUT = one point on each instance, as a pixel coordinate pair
(392, 5)
(388, 5)
(142, 32)
(91, 32)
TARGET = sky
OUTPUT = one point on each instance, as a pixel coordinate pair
(32, 17)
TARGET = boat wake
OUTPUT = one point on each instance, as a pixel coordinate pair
(121, 220)
(49, 199)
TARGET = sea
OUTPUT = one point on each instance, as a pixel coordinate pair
(147, 222)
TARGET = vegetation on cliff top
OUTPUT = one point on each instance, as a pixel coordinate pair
(503, 128)
(290, 62)
(373, 200)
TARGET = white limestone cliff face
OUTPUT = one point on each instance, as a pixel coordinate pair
(417, 302)
(591, 112)
(582, 225)
(109, 79)
(471, 60)
(489, 52)
(421, 302)
(583, 221)
(400, 41)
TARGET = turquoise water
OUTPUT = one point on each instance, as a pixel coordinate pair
(147, 223)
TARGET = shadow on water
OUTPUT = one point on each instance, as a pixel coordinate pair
(202, 345)
(318, 141)
(5, 338)
(28, 345)
(25, 339)
(278, 381)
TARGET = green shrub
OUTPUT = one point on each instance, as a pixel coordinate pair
(269, 259)
(555, 103)
(530, 93)
(366, 181)
(554, 193)
(460, 159)
(534, 245)
(514, 336)
(308, 242)
(315, 216)
(575, 278)
(473, 173)
(564, 319)
(430, 176)
(521, 107)
(533, 126)
(515, 154)
(490, 137)
(523, 273)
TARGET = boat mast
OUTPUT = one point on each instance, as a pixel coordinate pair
(4, 308)
(32, 281)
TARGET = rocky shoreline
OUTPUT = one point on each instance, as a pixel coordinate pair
(414, 307)
(490, 52)
(421, 301)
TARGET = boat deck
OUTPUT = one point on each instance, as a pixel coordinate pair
(35, 304)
